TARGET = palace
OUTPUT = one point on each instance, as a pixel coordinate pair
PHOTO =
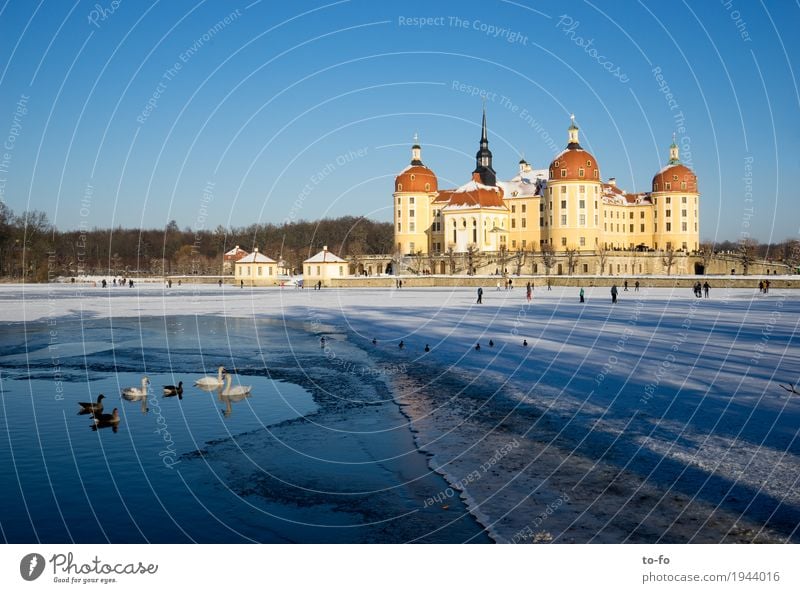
(566, 207)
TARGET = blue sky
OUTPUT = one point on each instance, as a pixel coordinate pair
(291, 110)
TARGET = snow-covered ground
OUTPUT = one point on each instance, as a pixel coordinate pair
(659, 418)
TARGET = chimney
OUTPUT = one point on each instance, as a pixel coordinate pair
(612, 181)
(324, 248)
(255, 250)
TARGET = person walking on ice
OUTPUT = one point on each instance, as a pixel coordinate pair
(706, 288)
(581, 295)
(613, 293)
(480, 295)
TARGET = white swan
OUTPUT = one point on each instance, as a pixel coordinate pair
(239, 390)
(134, 393)
(211, 381)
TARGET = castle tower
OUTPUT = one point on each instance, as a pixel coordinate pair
(676, 205)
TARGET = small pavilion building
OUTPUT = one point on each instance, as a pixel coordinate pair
(323, 267)
(256, 269)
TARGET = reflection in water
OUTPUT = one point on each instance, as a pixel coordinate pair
(106, 420)
(230, 399)
(92, 407)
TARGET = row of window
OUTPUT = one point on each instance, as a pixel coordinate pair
(668, 185)
(246, 270)
(581, 173)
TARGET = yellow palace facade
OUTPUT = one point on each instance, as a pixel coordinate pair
(567, 206)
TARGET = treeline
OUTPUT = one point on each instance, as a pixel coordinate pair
(33, 250)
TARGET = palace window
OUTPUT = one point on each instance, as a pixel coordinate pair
(399, 214)
(513, 243)
(588, 163)
(683, 227)
(411, 227)
(580, 172)
(596, 220)
(655, 187)
(513, 223)
(513, 209)
(668, 213)
(541, 221)
(582, 241)
(427, 187)
(674, 178)
(563, 172)
(413, 177)
(563, 241)
(411, 200)
(582, 189)
(523, 243)
(523, 209)
(642, 228)
(399, 227)
(563, 204)
(399, 188)
(667, 186)
(563, 220)
(563, 189)
(585, 268)
(669, 227)
(596, 174)
(523, 222)
(411, 213)
(259, 270)
(582, 220)
(411, 247)
(631, 230)
(581, 204)
(641, 214)
(683, 213)
(631, 215)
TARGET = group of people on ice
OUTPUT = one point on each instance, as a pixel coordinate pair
(700, 290)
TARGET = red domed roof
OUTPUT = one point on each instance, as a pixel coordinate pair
(674, 175)
(416, 178)
(574, 164)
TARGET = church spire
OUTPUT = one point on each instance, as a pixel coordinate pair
(483, 158)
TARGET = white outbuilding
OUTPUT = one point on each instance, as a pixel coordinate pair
(323, 267)
(256, 269)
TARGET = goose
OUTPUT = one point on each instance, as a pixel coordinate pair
(524, 342)
(478, 346)
(234, 391)
(87, 407)
(134, 393)
(427, 348)
(107, 419)
(170, 390)
(212, 381)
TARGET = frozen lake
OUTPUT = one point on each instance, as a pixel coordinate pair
(659, 418)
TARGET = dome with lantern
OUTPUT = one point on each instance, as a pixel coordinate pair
(416, 177)
(574, 163)
(675, 176)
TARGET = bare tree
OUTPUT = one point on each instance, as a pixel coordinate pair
(602, 257)
(519, 259)
(472, 257)
(548, 256)
(706, 254)
(572, 259)
(431, 262)
(747, 253)
(419, 260)
(451, 258)
(791, 253)
(502, 258)
(668, 259)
